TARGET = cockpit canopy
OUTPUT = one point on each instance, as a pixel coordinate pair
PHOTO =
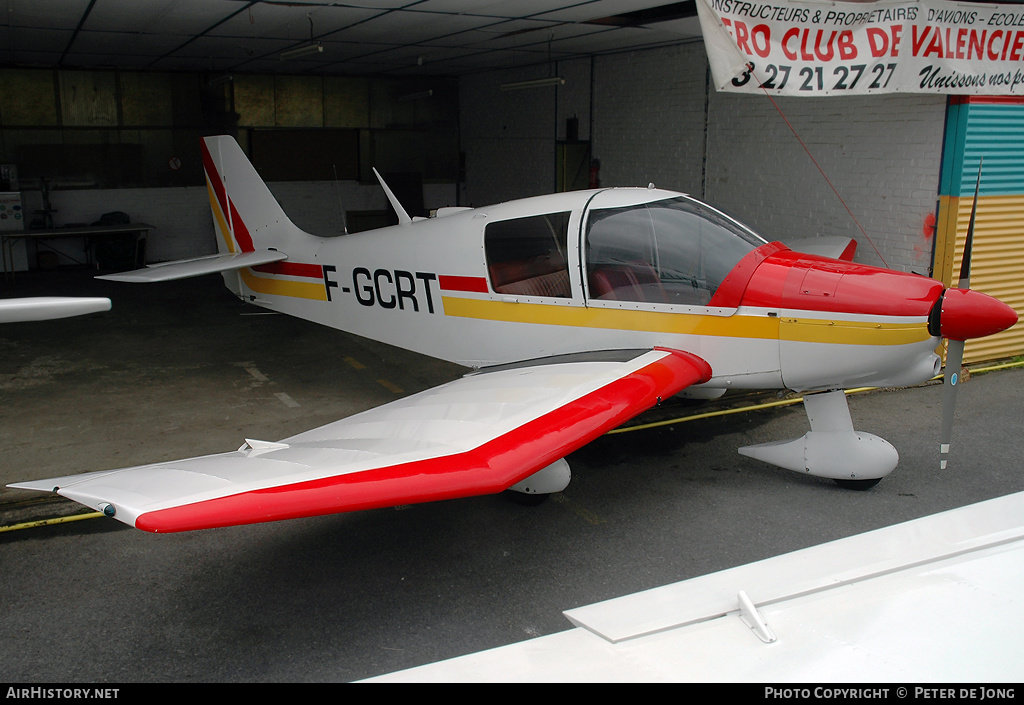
(673, 251)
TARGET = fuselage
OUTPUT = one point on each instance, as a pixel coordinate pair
(611, 269)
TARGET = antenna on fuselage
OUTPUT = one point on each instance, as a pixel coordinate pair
(403, 217)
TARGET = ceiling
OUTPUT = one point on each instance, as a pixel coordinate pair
(391, 37)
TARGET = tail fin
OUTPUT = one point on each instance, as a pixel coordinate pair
(252, 230)
(246, 215)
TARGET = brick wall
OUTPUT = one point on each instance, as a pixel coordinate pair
(508, 137)
(649, 118)
(882, 153)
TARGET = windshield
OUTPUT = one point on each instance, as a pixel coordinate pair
(675, 251)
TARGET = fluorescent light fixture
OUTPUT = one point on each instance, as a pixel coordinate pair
(536, 83)
(295, 53)
(220, 79)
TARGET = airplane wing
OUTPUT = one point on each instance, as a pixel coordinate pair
(931, 600)
(480, 434)
(45, 308)
(186, 268)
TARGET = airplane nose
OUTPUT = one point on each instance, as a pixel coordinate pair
(962, 314)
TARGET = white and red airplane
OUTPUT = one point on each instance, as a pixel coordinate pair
(577, 311)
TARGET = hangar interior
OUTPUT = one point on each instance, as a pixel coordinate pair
(102, 106)
(103, 102)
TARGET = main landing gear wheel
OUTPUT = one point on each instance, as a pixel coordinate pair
(536, 488)
(832, 448)
(859, 485)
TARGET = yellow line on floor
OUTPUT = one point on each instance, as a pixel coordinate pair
(783, 402)
(354, 363)
(390, 386)
(48, 522)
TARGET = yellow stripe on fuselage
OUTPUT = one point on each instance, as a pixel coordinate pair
(614, 318)
(265, 285)
(817, 330)
(284, 287)
(805, 330)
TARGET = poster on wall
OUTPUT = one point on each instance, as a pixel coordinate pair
(798, 48)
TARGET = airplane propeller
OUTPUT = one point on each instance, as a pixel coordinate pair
(959, 315)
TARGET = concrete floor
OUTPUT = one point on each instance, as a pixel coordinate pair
(180, 369)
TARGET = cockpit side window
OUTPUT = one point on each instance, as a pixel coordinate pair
(676, 251)
(527, 256)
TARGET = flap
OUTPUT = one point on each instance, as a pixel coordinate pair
(479, 434)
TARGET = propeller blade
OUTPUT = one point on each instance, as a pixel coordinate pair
(955, 348)
(965, 261)
(954, 362)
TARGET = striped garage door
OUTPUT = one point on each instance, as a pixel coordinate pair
(990, 128)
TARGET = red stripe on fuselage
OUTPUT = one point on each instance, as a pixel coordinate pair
(450, 282)
(292, 269)
(488, 469)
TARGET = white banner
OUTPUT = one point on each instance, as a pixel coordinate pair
(813, 48)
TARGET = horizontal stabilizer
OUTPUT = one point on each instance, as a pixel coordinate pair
(187, 268)
(842, 248)
(45, 308)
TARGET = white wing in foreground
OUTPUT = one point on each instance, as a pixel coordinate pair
(933, 600)
(45, 308)
(480, 434)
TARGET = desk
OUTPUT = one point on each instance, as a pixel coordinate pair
(8, 238)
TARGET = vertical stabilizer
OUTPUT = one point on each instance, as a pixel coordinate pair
(246, 215)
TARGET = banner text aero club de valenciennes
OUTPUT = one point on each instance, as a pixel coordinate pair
(849, 48)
